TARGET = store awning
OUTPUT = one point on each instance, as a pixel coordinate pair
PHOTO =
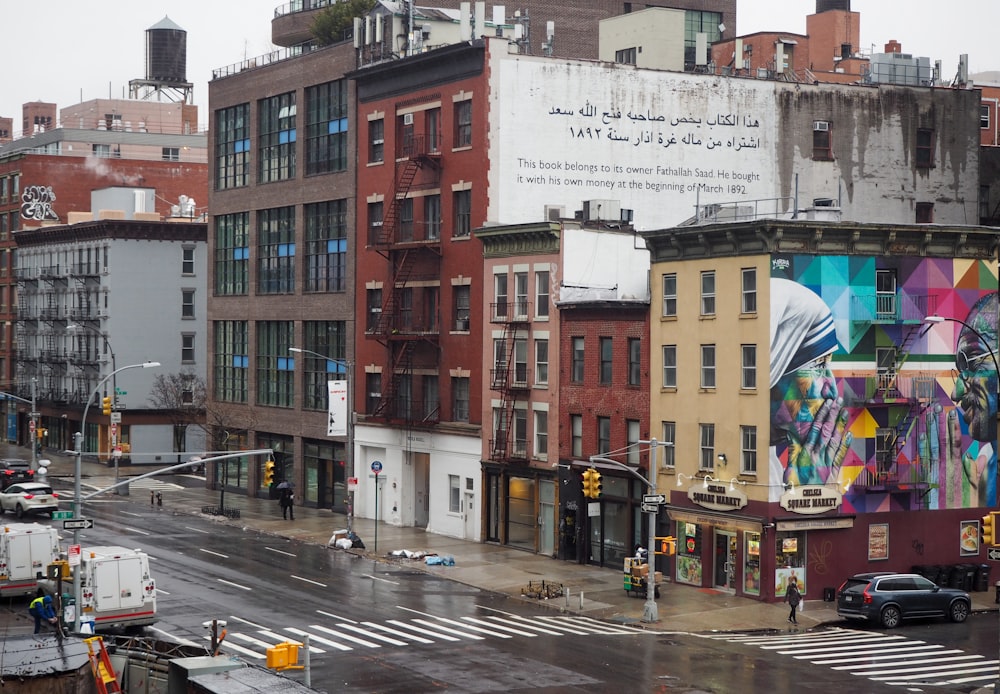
(833, 523)
(725, 521)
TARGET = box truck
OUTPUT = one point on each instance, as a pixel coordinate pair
(116, 588)
(26, 549)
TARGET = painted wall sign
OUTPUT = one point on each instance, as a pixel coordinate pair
(36, 204)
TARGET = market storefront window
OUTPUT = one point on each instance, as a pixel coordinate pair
(790, 560)
(689, 566)
(751, 563)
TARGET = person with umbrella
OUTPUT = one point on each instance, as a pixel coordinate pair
(285, 499)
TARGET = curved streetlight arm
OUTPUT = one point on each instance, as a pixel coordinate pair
(348, 367)
(77, 500)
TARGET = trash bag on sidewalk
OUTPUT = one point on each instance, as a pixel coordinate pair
(356, 542)
(435, 560)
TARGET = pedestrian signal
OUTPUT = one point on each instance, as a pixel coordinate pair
(106, 405)
(268, 473)
(666, 545)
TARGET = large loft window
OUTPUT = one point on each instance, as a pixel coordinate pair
(275, 364)
(326, 127)
(276, 251)
(232, 254)
(276, 138)
(232, 147)
(326, 246)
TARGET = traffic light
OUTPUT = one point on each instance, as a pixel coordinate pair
(666, 545)
(106, 404)
(585, 482)
(591, 483)
(268, 473)
(989, 531)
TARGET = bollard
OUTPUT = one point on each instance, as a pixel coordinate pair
(581, 599)
(566, 593)
(150, 497)
(159, 499)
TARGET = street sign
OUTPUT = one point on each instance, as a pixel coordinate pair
(352, 484)
(993, 553)
(31, 426)
(61, 515)
(376, 466)
(650, 508)
(116, 418)
(78, 524)
(73, 555)
(654, 499)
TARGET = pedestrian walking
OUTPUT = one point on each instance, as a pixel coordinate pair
(793, 597)
(41, 609)
(286, 501)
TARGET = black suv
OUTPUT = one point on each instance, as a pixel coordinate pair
(889, 598)
(15, 470)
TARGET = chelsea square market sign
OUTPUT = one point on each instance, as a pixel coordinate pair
(717, 497)
(811, 499)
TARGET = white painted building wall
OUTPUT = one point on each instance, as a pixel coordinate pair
(566, 131)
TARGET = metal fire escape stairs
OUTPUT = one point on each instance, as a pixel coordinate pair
(402, 261)
(505, 379)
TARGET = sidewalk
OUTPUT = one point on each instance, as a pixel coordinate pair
(593, 591)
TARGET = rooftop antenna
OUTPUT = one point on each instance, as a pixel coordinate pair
(550, 37)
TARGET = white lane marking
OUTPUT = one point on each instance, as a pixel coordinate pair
(307, 580)
(217, 554)
(377, 637)
(278, 638)
(319, 639)
(248, 639)
(345, 637)
(174, 639)
(905, 653)
(197, 530)
(234, 585)
(335, 616)
(384, 580)
(247, 621)
(135, 530)
(425, 632)
(162, 592)
(278, 551)
(596, 626)
(928, 672)
(400, 634)
(129, 513)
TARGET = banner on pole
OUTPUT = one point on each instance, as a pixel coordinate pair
(337, 415)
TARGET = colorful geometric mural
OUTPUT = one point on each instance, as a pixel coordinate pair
(866, 394)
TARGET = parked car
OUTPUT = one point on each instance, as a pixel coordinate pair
(888, 598)
(15, 470)
(28, 497)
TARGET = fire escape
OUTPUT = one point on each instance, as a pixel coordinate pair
(899, 464)
(509, 377)
(407, 323)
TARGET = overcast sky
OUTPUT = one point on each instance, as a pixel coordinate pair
(67, 51)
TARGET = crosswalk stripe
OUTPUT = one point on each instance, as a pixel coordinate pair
(318, 639)
(433, 625)
(923, 673)
(377, 637)
(230, 646)
(400, 634)
(499, 626)
(250, 639)
(898, 654)
(278, 638)
(425, 632)
(480, 630)
(514, 619)
(345, 637)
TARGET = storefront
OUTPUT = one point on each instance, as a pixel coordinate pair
(521, 508)
(717, 550)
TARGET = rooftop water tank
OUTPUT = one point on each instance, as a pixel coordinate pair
(166, 52)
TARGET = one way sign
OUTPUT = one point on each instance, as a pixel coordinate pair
(78, 524)
(993, 553)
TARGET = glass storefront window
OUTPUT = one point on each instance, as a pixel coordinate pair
(751, 565)
(521, 514)
(688, 565)
(789, 560)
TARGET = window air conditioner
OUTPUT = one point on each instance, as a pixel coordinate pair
(407, 119)
(821, 125)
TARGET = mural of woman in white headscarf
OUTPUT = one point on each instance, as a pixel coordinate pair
(807, 412)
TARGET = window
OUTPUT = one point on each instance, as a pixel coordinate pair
(276, 138)
(170, 153)
(102, 151)
(326, 127)
(668, 437)
(462, 295)
(231, 361)
(375, 215)
(925, 213)
(520, 362)
(603, 434)
(885, 294)
(462, 202)
(626, 56)
(376, 141)
(576, 360)
(432, 129)
(984, 116)
(276, 251)
(632, 442)
(542, 294)
(925, 148)
(707, 446)
(275, 364)
(708, 293)
(541, 362)
(670, 294)
(604, 369)
(748, 450)
(454, 494)
(521, 295)
(576, 435)
(405, 228)
(432, 403)
(984, 203)
(373, 300)
(326, 246)
(328, 338)
(460, 399)
(669, 366)
(541, 434)
(187, 261)
(708, 366)
(232, 147)
(373, 392)
(749, 296)
(822, 147)
(187, 348)
(500, 295)
(634, 361)
(187, 303)
(699, 22)
(232, 254)
(432, 216)
(463, 123)
(748, 371)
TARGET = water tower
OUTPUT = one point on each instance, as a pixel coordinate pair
(166, 65)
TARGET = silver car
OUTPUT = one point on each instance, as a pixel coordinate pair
(29, 497)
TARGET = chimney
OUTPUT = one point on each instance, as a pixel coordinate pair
(893, 46)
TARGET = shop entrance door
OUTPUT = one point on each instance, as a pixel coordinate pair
(725, 560)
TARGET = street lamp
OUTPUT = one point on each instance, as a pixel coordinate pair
(932, 320)
(348, 366)
(650, 612)
(114, 366)
(77, 472)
